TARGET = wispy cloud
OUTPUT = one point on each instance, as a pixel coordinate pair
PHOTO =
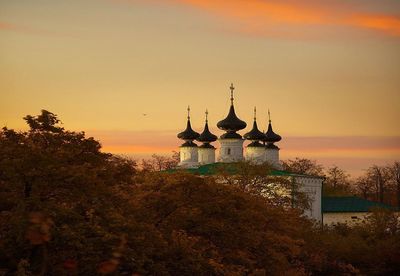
(354, 153)
(292, 18)
(166, 141)
(7, 26)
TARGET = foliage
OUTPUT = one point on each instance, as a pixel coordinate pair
(218, 229)
(69, 209)
(337, 182)
(372, 246)
(303, 166)
(256, 179)
(381, 183)
(60, 199)
(158, 163)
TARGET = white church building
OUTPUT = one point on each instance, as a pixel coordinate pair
(261, 149)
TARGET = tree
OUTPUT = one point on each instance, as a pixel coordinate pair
(66, 208)
(394, 172)
(379, 176)
(372, 246)
(257, 179)
(60, 199)
(217, 229)
(364, 186)
(337, 181)
(46, 121)
(303, 166)
(159, 163)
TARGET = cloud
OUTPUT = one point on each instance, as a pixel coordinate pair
(166, 141)
(7, 26)
(354, 153)
(293, 18)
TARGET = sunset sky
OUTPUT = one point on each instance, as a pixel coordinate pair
(329, 71)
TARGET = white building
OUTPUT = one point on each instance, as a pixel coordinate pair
(261, 149)
(349, 210)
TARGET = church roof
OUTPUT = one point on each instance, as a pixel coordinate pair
(189, 144)
(254, 134)
(231, 135)
(271, 136)
(231, 122)
(206, 136)
(271, 146)
(350, 204)
(232, 168)
(188, 133)
(255, 144)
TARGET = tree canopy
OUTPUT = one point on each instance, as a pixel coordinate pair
(67, 208)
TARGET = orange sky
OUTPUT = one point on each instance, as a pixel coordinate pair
(328, 70)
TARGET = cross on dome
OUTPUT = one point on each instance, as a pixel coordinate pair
(232, 88)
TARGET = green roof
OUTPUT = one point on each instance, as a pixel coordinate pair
(350, 204)
(231, 168)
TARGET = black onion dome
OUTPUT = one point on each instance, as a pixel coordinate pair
(206, 136)
(231, 135)
(231, 122)
(207, 146)
(189, 144)
(271, 136)
(254, 134)
(188, 133)
(255, 144)
(271, 146)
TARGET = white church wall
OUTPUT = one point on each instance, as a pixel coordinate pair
(349, 218)
(206, 156)
(231, 150)
(272, 157)
(255, 154)
(312, 187)
(188, 157)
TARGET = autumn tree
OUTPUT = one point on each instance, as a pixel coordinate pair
(303, 166)
(67, 208)
(213, 228)
(60, 197)
(375, 183)
(159, 163)
(337, 182)
(364, 186)
(372, 247)
(394, 179)
(258, 179)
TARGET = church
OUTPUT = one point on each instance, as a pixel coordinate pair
(262, 148)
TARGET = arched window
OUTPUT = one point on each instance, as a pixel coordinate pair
(229, 151)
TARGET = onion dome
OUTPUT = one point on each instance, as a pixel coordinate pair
(271, 146)
(188, 134)
(270, 135)
(256, 144)
(255, 134)
(231, 135)
(231, 123)
(206, 136)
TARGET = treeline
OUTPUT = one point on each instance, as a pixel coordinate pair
(378, 183)
(67, 208)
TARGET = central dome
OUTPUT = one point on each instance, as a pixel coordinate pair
(231, 122)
